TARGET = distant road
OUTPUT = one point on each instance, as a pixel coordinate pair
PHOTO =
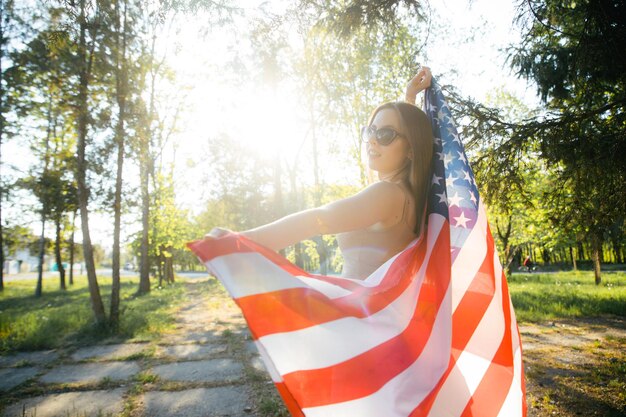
(105, 272)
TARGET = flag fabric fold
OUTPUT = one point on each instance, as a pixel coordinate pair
(431, 332)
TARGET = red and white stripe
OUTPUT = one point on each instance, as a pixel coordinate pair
(419, 337)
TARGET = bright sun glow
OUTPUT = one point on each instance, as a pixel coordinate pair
(273, 123)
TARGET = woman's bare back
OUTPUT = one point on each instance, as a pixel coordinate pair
(367, 249)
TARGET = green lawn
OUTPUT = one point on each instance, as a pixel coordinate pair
(545, 296)
(65, 317)
(62, 317)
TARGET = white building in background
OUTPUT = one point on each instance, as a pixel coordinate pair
(20, 261)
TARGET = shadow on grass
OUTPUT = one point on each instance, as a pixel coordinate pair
(587, 390)
(66, 317)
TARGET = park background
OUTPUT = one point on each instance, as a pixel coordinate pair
(129, 128)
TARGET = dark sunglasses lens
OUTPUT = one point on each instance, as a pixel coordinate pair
(385, 135)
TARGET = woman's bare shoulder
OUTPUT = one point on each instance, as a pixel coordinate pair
(381, 188)
(384, 193)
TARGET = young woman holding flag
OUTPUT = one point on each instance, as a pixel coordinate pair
(421, 322)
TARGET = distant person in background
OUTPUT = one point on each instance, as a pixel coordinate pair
(528, 263)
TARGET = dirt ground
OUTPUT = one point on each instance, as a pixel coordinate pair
(575, 367)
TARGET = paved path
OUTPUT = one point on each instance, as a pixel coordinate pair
(207, 367)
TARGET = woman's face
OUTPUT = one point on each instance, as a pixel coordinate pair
(390, 158)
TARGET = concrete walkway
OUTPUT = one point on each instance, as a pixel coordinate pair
(207, 367)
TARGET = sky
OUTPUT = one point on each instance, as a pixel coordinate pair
(469, 56)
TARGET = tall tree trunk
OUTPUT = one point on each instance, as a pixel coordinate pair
(42, 247)
(1, 190)
(57, 253)
(1, 137)
(44, 208)
(601, 252)
(573, 258)
(1, 232)
(169, 266)
(83, 192)
(120, 79)
(160, 270)
(581, 251)
(144, 263)
(144, 181)
(278, 193)
(294, 192)
(117, 205)
(509, 250)
(322, 250)
(72, 248)
(596, 243)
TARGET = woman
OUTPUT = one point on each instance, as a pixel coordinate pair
(382, 219)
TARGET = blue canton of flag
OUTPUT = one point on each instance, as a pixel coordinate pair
(453, 192)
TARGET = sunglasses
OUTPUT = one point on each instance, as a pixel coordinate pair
(384, 136)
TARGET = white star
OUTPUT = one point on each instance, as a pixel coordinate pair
(473, 197)
(461, 221)
(436, 179)
(447, 159)
(441, 157)
(450, 181)
(466, 176)
(455, 135)
(454, 201)
(442, 197)
(442, 115)
(437, 141)
(462, 157)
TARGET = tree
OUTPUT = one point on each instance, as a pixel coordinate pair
(345, 18)
(170, 227)
(569, 49)
(12, 28)
(121, 34)
(5, 10)
(42, 93)
(85, 25)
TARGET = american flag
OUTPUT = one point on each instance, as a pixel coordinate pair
(431, 332)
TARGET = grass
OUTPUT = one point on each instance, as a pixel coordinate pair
(59, 318)
(538, 297)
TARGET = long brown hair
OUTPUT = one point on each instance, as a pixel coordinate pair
(417, 172)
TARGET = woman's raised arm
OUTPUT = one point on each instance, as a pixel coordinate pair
(377, 202)
(420, 82)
